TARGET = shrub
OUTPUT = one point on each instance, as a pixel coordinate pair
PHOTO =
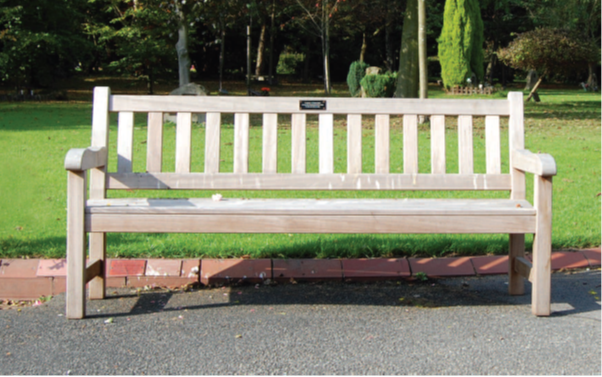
(357, 71)
(379, 85)
(461, 42)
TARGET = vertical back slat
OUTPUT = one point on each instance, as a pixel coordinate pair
(492, 144)
(154, 144)
(381, 141)
(212, 142)
(465, 155)
(516, 129)
(354, 144)
(298, 143)
(241, 143)
(270, 143)
(410, 144)
(326, 143)
(438, 144)
(100, 138)
(125, 140)
(183, 142)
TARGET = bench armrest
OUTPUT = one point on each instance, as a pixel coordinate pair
(83, 159)
(538, 164)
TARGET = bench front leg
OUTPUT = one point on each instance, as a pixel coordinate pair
(541, 273)
(76, 245)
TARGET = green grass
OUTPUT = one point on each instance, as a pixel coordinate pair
(34, 138)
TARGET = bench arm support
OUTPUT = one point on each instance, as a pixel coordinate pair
(538, 164)
(84, 159)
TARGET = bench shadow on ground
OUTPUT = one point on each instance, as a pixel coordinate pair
(571, 294)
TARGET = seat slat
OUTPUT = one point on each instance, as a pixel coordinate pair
(381, 140)
(438, 144)
(492, 142)
(241, 143)
(183, 142)
(212, 142)
(298, 143)
(309, 224)
(327, 207)
(270, 143)
(465, 154)
(354, 144)
(125, 140)
(154, 144)
(260, 181)
(410, 144)
(326, 143)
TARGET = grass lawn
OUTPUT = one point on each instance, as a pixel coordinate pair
(34, 138)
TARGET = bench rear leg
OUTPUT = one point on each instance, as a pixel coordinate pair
(76, 245)
(542, 248)
(98, 247)
(516, 282)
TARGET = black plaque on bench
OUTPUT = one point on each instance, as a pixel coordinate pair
(312, 105)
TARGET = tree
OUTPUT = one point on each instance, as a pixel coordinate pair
(461, 42)
(408, 75)
(547, 51)
(320, 23)
(580, 17)
(41, 41)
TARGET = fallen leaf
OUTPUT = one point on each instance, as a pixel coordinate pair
(238, 336)
(110, 320)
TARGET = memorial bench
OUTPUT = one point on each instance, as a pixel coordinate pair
(96, 215)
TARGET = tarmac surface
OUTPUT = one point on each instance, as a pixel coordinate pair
(466, 325)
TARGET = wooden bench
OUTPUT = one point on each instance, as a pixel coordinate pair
(515, 216)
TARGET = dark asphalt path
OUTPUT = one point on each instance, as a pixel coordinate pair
(456, 326)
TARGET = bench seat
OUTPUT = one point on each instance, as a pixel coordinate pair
(310, 215)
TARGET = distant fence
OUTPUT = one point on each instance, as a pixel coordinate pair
(469, 90)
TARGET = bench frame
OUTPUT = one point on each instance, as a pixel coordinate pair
(92, 162)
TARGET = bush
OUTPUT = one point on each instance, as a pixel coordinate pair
(357, 71)
(379, 85)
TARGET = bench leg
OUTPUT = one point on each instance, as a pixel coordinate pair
(516, 282)
(542, 248)
(98, 244)
(76, 245)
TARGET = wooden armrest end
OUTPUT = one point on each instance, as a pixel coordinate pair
(83, 159)
(538, 164)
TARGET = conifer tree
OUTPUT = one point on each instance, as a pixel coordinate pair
(461, 42)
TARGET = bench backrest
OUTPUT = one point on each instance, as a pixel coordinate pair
(298, 108)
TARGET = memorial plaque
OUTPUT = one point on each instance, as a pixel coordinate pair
(312, 105)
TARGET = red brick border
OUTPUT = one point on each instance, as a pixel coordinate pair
(27, 279)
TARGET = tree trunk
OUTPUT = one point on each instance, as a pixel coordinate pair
(260, 51)
(149, 83)
(249, 59)
(364, 47)
(534, 91)
(182, 47)
(592, 80)
(222, 52)
(422, 62)
(272, 32)
(326, 46)
(390, 59)
(407, 78)
(532, 79)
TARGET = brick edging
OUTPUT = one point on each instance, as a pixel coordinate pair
(32, 278)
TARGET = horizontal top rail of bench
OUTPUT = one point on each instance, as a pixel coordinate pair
(291, 105)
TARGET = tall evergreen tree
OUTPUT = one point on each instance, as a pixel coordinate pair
(461, 42)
